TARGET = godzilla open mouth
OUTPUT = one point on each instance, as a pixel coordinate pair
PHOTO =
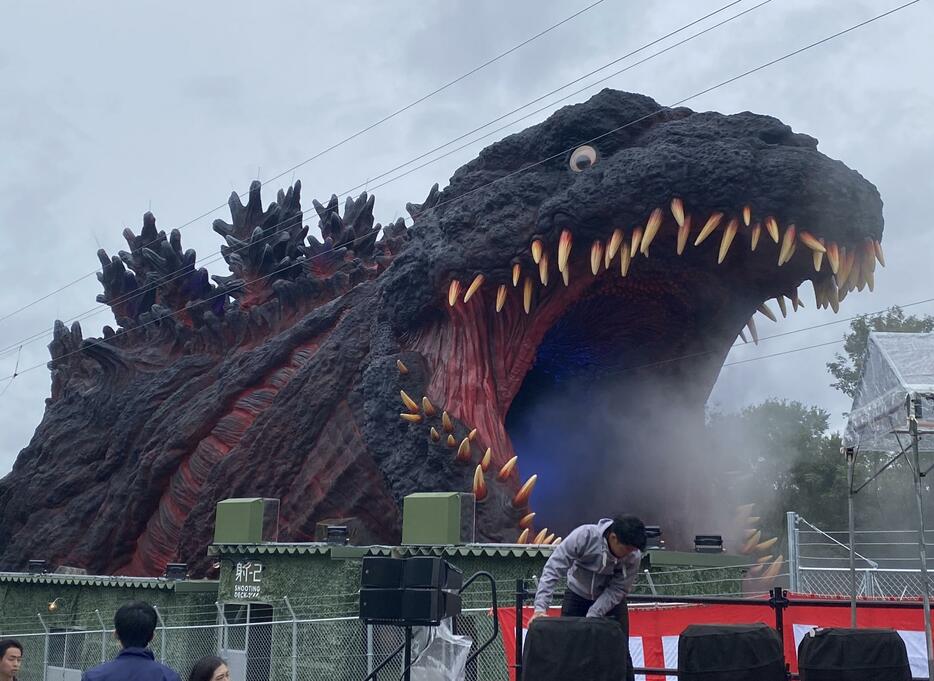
(567, 361)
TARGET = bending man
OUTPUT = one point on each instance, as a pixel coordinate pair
(601, 563)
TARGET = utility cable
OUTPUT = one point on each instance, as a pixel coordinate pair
(563, 153)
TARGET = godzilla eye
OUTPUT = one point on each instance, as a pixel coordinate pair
(582, 158)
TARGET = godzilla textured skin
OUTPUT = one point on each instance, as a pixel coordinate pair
(283, 379)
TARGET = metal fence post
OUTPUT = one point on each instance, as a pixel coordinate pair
(162, 634)
(45, 649)
(520, 602)
(778, 600)
(221, 629)
(369, 650)
(103, 636)
(294, 637)
(791, 524)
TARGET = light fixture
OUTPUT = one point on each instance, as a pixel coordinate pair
(40, 566)
(176, 571)
(55, 605)
(708, 543)
(653, 537)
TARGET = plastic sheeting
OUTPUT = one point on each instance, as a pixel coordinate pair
(897, 365)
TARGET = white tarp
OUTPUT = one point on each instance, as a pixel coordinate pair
(897, 365)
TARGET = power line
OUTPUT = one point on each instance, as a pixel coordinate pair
(216, 256)
(336, 145)
(561, 154)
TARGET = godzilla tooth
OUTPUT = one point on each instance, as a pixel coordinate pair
(453, 290)
(755, 571)
(728, 234)
(474, 285)
(811, 242)
(452, 443)
(651, 229)
(409, 403)
(751, 542)
(771, 226)
(818, 260)
(550, 538)
(818, 297)
(624, 261)
(564, 249)
(596, 255)
(871, 281)
(522, 496)
(767, 544)
(472, 435)
(684, 231)
(852, 270)
(708, 227)
(428, 407)
(557, 541)
(487, 459)
(411, 418)
(527, 295)
(500, 297)
(747, 214)
(523, 537)
(506, 470)
(767, 311)
(677, 209)
(566, 277)
(845, 263)
(615, 240)
(833, 256)
(537, 250)
(526, 521)
(636, 242)
(833, 296)
(400, 365)
(434, 434)
(880, 256)
(543, 269)
(479, 484)
(780, 299)
(869, 257)
(540, 537)
(516, 271)
(742, 335)
(754, 239)
(463, 450)
(788, 243)
(446, 422)
(751, 325)
(774, 568)
(796, 300)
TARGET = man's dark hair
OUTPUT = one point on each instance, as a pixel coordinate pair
(7, 643)
(135, 624)
(629, 530)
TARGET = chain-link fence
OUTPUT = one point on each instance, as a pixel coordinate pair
(329, 649)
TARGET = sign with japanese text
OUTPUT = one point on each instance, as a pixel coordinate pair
(248, 579)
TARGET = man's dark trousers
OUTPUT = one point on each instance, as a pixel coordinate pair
(577, 606)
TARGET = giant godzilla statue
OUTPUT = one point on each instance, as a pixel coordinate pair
(618, 238)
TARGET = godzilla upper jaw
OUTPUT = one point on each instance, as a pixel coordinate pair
(670, 294)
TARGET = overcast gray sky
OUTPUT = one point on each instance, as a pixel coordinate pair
(109, 108)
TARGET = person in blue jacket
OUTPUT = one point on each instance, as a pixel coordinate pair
(134, 626)
(601, 562)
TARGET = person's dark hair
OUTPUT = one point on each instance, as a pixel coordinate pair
(629, 530)
(205, 667)
(135, 624)
(7, 643)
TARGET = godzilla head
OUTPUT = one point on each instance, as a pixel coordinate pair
(594, 269)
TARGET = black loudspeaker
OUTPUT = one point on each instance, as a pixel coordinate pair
(416, 607)
(382, 573)
(579, 648)
(429, 572)
(853, 655)
(380, 605)
(730, 652)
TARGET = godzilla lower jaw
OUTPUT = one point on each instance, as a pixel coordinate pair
(662, 301)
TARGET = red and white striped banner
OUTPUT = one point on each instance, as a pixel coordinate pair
(654, 630)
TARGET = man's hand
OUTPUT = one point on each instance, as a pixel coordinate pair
(536, 615)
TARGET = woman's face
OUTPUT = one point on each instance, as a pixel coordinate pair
(222, 673)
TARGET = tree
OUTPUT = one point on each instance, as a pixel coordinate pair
(848, 369)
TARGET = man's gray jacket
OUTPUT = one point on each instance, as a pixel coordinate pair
(592, 571)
